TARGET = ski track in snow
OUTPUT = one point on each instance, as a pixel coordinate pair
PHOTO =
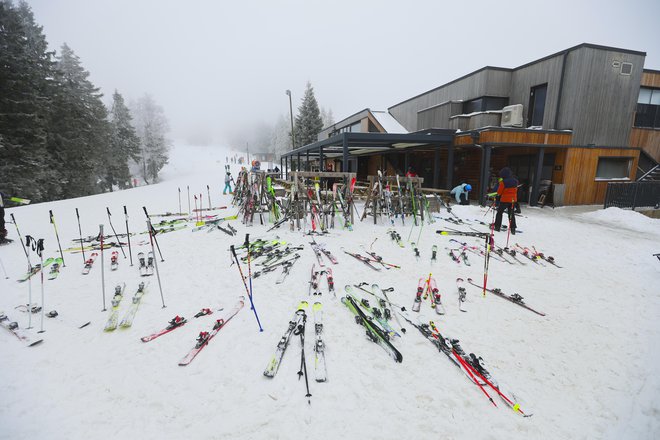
(586, 370)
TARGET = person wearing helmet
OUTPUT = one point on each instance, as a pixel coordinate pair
(461, 193)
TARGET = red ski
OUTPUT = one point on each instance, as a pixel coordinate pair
(173, 324)
(89, 263)
(205, 337)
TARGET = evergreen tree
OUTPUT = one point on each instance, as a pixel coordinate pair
(327, 117)
(151, 127)
(25, 84)
(80, 130)
(124, 144)
(308, 120)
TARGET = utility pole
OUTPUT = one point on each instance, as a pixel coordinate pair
(293, 136)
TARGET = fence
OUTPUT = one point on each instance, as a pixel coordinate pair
(632, 194)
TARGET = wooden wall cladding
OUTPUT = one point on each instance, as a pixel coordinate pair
(648, 139)
(650, 79)
(580, 174)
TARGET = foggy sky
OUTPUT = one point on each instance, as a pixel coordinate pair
(218, 67)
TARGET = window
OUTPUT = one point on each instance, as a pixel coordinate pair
(648, 108)
(485, 103)
(613, 168)
(537, 105)
(626, 68)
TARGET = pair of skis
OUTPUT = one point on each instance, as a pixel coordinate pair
(205, 337)
(127, 320)
(428, 288)
(173, 324)
(146, 267)
(515, 298)
(12, 326)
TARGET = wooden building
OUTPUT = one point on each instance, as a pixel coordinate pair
(578, 118)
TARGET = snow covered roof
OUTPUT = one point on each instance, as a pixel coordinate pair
(388, 122)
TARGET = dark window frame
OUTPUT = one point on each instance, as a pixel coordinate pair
(647, 115)
(628, 159)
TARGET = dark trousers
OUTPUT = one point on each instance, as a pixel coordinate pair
(464, 199)
(512, 218)
(3, 232)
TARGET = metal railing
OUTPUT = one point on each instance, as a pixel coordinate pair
(632, 194)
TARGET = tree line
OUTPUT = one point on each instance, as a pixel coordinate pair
(57, 138)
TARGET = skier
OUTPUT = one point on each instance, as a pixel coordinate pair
(461, 193)
(508, 192)
(228, 179)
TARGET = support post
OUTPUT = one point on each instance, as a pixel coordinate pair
(485, 171)
(344, 144)
(308, 166)
(450, 167)
(436, 166)
(321, 160)
(534, 197)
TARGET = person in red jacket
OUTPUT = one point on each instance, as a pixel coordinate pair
(507, 190)
(411, 172)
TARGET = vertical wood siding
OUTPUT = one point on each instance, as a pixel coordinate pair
(648, 139)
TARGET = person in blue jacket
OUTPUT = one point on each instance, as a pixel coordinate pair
(461, 193)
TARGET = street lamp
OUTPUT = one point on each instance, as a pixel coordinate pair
(293, 136)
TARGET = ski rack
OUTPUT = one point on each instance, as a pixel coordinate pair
(253, 195)
(405, 198)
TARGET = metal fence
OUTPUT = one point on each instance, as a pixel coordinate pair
(632, 194)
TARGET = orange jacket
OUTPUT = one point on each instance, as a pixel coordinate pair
(508, 190)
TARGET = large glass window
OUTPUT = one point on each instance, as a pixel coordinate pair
(485, 103)
(648, 108)
(613, 168)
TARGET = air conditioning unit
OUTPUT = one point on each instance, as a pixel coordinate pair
(512, 116)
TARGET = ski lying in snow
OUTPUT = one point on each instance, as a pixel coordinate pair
(373, 331)
(363, 259)
(127, 320)
(276, 360)
(53, 314)
(55, 268)
(35, 269)
(111, 324)
(417, 304)
(173, 324)
(89, 263)
(436, 297)
(321, 374)
(462, 293)
(13, 327)
(205, 337)
(515, 298)
(114, 260)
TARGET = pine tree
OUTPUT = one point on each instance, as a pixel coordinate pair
(79, 127)
(308, 121)
(151, 127)
(124, 144)
(25, 84)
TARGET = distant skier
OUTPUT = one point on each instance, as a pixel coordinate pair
(461, 193)
(3, 231)
(228, 180)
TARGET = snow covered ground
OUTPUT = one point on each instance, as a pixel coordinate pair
(587, 370)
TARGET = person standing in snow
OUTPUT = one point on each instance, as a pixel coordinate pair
(507, 190)
(461, 193)
(228, 180)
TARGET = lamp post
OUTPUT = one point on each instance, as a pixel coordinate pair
(293, 136)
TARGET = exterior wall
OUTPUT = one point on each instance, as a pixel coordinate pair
(648, 139)
(357, 117)
(580, 174)
(598, 102)
(439, 116)
(651, 78)
(523, 79)
(490, 81)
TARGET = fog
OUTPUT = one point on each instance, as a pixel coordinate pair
(221, 68)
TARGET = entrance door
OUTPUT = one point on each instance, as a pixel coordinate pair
(537, 105)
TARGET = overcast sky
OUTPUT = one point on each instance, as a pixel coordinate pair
(220, 66)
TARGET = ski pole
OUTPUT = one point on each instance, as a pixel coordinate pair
(153, 232)
(102, 268)
(128, 234)
(233, 252)
(208, 190)
(52, 220)
(300, 330)
(188, 188)
(3, 269)
(115, 232)
(38, 247)
(179, 199)
(29, 269)
(151, 239)
(82, 248)
(21, 240)
(247, 246)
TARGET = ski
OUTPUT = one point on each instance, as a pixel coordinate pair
(434, 253)
(320, 371)
(373, 331)
(286, 268)
(142, 264)
(437, 298)
(54, 315)
(111, 324)
(150, 264)
(462, 293)
(127, 320)
(276, 360)
(173, 324)
(417, 304)
(515, 298)
(331, 280)
(114, 262)
(34, 270)
(55, 268)
(89, 263)
(362, 258)
(13, 327)
(205, 337)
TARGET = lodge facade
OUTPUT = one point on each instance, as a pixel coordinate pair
(576, 120)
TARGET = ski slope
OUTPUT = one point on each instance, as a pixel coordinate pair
(587, 370)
